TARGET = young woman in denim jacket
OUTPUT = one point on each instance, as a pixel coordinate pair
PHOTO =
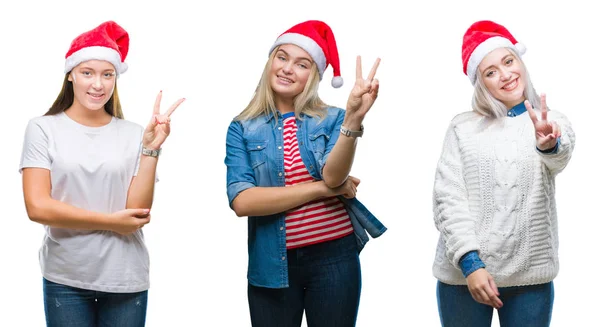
(88, 177)
(288, 170)
(494, 192)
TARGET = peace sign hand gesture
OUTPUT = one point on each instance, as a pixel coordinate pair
(546, 132)
(159, 126)
(363, 94)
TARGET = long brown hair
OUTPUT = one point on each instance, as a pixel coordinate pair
(66, 97)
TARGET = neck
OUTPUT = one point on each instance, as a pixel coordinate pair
(284, 105)
(88, 117)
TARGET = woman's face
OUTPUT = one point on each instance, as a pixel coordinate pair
(503, 75)
(290, 71)
(93, 83)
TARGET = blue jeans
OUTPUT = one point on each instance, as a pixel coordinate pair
(325, 280)
(68, 306)
(523, 306)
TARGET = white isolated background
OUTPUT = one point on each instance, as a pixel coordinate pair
(213, 53)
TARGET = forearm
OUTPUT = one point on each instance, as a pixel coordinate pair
(264, 201)
(340, 160)
(141, 191)
(55, 213)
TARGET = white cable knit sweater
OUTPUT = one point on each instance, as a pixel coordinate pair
(494, 193)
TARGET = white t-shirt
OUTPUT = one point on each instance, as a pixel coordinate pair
(91, 168)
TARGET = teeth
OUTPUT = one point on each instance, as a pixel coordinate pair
(286, 79)
(511, 85)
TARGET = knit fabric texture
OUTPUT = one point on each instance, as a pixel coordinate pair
(494, 193)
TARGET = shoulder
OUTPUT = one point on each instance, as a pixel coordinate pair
(42, 123)
(465, 118)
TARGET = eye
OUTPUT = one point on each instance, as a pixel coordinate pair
(489, 73)
(282, 58)
(108, 75)
(86, 73)
(303, 66)
(509, 61)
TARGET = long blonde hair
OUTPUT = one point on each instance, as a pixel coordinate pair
(484, 103)
(263, 101)
(65, 99)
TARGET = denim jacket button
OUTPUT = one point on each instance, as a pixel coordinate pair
(279, 147)
(280, 174)
(281, 228)
(282, 258)
(279, 128)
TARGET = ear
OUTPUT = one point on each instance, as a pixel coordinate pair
(70, 77)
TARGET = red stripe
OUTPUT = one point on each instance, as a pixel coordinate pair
(293, 232)
(335, 214)
(318, 241)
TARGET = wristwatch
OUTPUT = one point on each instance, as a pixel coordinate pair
(151, 153)
(346, 132)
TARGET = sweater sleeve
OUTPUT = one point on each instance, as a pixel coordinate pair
(558, 160)
(450, 203)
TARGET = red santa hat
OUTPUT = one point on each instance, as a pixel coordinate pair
(482, 38)
(316, 38)
(108, 41)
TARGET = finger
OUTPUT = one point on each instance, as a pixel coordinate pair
(375, 88)
(138, 212)
(484, 297)
(544, 107)
(555, 129)
(494, 300)
(156, 110)
(354, 180)
(494, 287)
(358, 68)
(373, 70)
(174, 106)
(167, 128)
(530, 111)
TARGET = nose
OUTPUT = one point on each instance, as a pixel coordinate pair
(504, 74)
(97, 82)
(287, 68)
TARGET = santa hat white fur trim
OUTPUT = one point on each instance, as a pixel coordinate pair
(486, 47)
(309, 45)
(337, 81)
(97, 53)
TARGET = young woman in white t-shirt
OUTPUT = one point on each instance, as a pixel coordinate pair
(88, 177)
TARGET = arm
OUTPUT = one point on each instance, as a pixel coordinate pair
(361, 99)
(247, 199)
(141, 189)
(554, 136)
(557, 160)
(450, 204)
(339, 154)
(264, 201)
(42, 209)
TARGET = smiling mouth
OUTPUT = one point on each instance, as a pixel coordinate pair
(96, 96)
(285, 79)
(512, 85)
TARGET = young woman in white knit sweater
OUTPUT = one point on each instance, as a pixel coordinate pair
(494, 192)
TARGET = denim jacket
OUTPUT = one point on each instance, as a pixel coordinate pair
(254, 157)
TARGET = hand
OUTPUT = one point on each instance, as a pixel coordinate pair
(546, 133)
(128, 221)
(362, 96)
(160, 125)
(483, 288)
(348, 189)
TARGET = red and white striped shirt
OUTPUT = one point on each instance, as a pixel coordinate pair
(316, 221)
